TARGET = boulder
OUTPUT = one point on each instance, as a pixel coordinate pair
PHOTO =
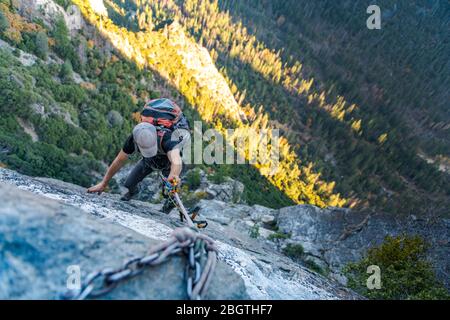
(49, 11)
(41, 238)
(228, 191)
(114, 118)
(258, 212)
(268, 220)
(338, 236)
(221, 212)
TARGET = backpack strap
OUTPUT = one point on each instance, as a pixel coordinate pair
(159, 122)
(160, 133)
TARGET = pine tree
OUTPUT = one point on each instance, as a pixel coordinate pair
(42, 45)
(4, 23)
(66, 72)
(61, 35)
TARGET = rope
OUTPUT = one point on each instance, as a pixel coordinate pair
(183, 210)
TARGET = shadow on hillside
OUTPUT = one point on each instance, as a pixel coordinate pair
(265, 193)
(269, 83)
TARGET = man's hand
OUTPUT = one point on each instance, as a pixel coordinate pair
(173, 177)
(171, 185)
(99, 188)
(115, 166)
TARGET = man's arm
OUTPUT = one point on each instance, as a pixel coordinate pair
(115, 166)
(176, 163)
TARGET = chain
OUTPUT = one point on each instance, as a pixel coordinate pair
(195, 245)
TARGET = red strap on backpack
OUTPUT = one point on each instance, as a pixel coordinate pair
(165, 114)
(159, 122)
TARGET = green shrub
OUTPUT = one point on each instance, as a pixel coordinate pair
(405, 272)
(66, 72)
(41, 45)
(193, 179)
(63, 47)
(312, 265)
(63, 3)
(114, 118)
(62, 39)
(294, 251)
(4, 23)
(279, 235)
(217, 177)
(28, 43)
(72, 94)
(254, 231)
(43, 159)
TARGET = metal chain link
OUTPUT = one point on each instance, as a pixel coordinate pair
(192, 243)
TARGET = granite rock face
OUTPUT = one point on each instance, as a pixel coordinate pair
(335, 237)
(47, 225)
(41, 238)
(49, 11)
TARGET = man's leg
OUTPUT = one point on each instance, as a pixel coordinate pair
(139, 172)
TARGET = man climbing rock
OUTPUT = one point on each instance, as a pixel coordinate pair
(158, 138)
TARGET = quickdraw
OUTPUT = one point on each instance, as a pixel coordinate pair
(188, 215)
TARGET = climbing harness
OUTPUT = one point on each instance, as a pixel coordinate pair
(193, 244)
(188, 215)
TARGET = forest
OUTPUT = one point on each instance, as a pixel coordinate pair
(352, 135)
(80, 125)
(338, 110)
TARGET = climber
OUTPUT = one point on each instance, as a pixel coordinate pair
(159, 139)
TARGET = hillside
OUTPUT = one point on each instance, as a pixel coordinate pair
(321, 76)
(337, 148)
(88, 88)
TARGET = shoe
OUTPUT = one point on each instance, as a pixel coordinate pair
(193, 212)
(128, 196)
(167, 206)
